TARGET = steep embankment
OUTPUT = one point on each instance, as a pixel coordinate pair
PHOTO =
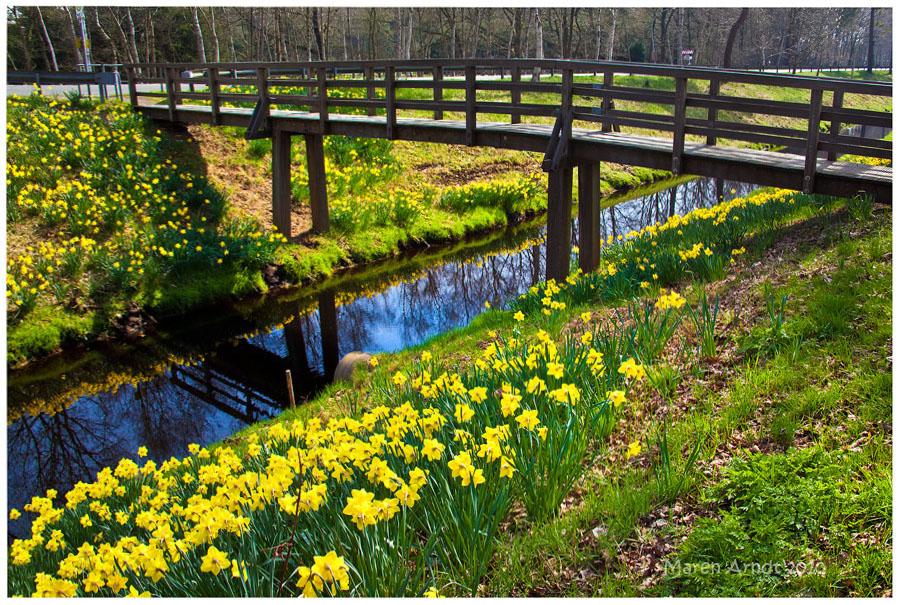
(603, 436)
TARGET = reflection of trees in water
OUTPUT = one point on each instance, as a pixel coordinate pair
(636, 214)
(56, 451)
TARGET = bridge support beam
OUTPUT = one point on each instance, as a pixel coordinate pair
(559, 223)
(318, 194)
(588, 216)
(281, 182)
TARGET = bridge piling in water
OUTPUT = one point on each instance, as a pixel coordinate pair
(559, 221)
(589, 239)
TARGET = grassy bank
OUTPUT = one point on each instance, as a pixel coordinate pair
(485, 461)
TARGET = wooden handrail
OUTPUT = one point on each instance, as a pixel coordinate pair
(691, 114)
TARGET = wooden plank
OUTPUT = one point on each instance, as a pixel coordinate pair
(281, 182)
(747, 105)
(812, 143)
(515, 94)
(390, 101)
(318, 194)
(725, 75)
(559, 223)
(471, 117)
(858, 116)
(370, 89)
(835, 128)
(678, 136)
(589, 240)
(712, 114)
(844, 149)
(437, 77)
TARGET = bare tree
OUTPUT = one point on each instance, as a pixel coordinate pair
(870, 57)
(539, 44)
(198, 33)
(612, 33)
(732, 34)
(47, 38)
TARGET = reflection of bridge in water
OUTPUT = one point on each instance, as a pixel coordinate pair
(249, 382)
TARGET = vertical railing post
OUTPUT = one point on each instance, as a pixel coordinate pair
(515, 95)
(566, 99)
(713, 113)
(132, 87)
(390, 101)
(678, 136)
(438, 79)
(471, 118)
(606, 104)
(212, 74)
(835, 128)
(812, 143)
(262, 87)
(322, 88)
(369, 75)
(170, 93)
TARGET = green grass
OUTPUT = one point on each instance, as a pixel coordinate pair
(819, 495)
(823, 498)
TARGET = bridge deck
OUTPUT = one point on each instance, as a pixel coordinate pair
(749, 165)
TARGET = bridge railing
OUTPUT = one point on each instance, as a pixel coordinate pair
(688, 102)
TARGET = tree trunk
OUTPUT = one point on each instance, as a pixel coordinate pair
(453, 33)
(680, 36)
(372, 28)
(870, 58)
(133, 37)
(539, 44)
(106, 36)
(78, 56)
(317, 32)
(215, 34)
(612, 34)
(732, 34)
(198, 34)
(47, 39)
(347, 56)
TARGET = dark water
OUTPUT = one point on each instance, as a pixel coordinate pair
(212, 373)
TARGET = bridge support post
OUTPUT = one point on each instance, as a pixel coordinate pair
(318, 194)
(281, 182)
(559, 223)
(588, 216)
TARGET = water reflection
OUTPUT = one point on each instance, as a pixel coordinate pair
(211, 383)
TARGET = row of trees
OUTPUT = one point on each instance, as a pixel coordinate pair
(47, 38)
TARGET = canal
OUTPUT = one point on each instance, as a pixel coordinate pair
(200, 379)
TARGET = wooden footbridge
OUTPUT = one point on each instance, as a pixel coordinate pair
(360, 99)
